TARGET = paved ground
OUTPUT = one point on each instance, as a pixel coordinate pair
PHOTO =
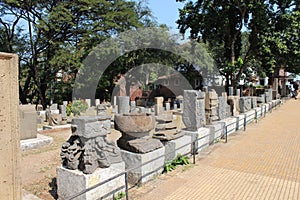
(261, 163)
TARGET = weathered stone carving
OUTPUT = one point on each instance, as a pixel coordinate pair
(166, 129)
(135, 129)
(234, 102)
(223, 107)
(87, 149)
(194, 109)
(245, 104)
(55, 119)
(211, 106)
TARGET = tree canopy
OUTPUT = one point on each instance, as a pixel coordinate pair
(243, 34)
(54, 37)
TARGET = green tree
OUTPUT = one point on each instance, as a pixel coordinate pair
(268, 41)
(60, 35)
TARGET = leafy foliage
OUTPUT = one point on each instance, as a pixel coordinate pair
(254, 31)
(77, 107)
(54, 37)
(179, 160)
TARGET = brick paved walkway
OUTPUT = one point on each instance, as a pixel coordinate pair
(261, 163)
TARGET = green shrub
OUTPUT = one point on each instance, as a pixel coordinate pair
(179, 160)
(77, 107)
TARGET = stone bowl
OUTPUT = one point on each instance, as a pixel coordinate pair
(136, 125)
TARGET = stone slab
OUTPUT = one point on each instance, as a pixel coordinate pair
(70, 182)
(123, 104)
(177, 146)
(202, 135)
(216, 131)
(10, 179)
(258, 112)
(35, 143)
(253, 102)
(222, 108)
(28, 122)
(240, 121)
(143, 167)
(194, 109)
(230, 123)
(250, 116)
(65, 126)
(92, 126)
(245, 104)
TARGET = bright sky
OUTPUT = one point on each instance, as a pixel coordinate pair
(166, 12)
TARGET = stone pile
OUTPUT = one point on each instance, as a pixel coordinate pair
(211, 106)
(166, 128)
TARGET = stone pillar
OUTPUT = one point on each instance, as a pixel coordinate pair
(194, 109)
(254, 102)
(222, 109)
(211, 106)
(123, 104)
(97, 102)
(168, 106)
(230, 91)
(245, 104)
(238, 92)
(63, 111)
(159, 107)
(88, 101)
(28, 122)
(115, 101)
(10, 179)
(132, 106)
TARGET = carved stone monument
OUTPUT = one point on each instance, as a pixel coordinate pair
(123, 104)
(88, 158)
(166, 128)
(211, 106)
(55, 119)
(135, 129)
(159, 106)
(87, 149)
(194, 109)
(171, 136)
(234, 102)
(10, 179)
(28, 122)
(245, 104)
(254, 102)
(223, 108)
(138, 147)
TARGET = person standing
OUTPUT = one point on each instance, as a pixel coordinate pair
(296, 87)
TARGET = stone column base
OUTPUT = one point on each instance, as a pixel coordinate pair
(70, 182)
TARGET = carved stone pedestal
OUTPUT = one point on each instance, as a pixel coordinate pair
(70, 182)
